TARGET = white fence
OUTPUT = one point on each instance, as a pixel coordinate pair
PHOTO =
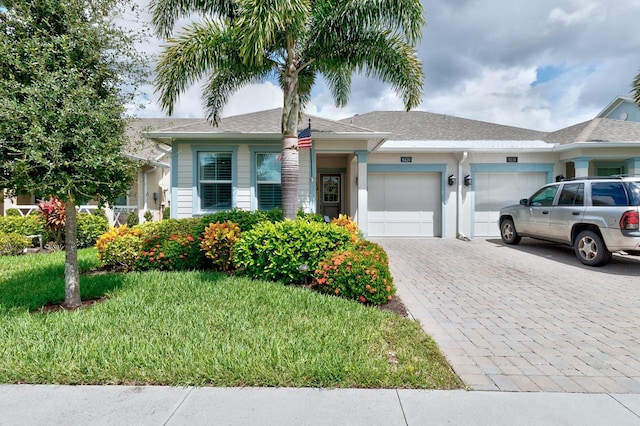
(117, 215)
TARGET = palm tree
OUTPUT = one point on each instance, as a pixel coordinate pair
(239, 42)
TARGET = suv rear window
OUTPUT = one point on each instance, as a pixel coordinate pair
(634, 193)
(608, 194)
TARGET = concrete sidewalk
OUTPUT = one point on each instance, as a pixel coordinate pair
(156, 405)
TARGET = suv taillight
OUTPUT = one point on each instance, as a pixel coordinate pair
(630, 221)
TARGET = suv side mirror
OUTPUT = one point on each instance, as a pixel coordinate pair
(524, 202)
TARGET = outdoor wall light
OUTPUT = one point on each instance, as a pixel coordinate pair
(451, 180)
(468, 180)
(559, 178)
(155, 197)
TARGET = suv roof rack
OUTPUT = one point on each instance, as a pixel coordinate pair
(593, 177)
(612, 177)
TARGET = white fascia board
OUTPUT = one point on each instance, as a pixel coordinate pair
(471, 146)
(580, 145)
(147, 161)
(208, 136)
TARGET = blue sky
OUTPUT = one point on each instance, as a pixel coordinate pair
(542, 65)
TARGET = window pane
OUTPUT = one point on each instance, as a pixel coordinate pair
(268, 167)
(609, 171)
(121, 200)
(215, 196)
(269, 196)
(608, 194)
(572, 195)
(545, 196)
(215, 165)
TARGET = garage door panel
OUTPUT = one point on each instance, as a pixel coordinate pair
(404, 204)
(496, 190)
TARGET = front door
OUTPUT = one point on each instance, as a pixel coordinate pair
(330, 195)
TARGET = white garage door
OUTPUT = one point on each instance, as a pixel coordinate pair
(496, 190)
(404, 204)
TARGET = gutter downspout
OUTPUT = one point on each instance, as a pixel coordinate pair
(460, 235)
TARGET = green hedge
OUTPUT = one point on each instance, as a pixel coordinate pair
(90, 227)
(246, 220)
(276, 251)
(23, 225)
(12, 244)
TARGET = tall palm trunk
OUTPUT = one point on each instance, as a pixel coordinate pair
(290, 158)
(71, 274)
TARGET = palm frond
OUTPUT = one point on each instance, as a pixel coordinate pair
(380, 54)
(198, 50)
(404, 18)
(263, 24)
(636, 90)
(225, 82)
(339, 81)
(165, 13)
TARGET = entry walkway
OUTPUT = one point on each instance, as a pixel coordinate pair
(524, 318)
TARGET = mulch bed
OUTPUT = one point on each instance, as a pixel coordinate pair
(55, 307)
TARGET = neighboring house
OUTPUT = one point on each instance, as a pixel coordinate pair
(153, 179)
(396, 173)
(622, 108)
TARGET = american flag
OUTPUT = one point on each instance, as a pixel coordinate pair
(304, 138)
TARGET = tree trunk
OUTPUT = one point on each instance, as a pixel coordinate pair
(290, 159)
(71, 274)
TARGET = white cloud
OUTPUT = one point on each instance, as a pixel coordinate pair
(480, 60)
(586, 12)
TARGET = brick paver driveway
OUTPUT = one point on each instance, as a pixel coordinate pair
(524, 318)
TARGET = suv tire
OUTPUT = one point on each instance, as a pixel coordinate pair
(508, 232)
(591, 250)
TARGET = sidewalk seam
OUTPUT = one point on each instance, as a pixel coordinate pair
(623, 404)
(178, 407)
(404, 416)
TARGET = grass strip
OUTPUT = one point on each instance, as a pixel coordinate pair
(203, 329)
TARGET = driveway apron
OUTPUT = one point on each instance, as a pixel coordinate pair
(524, 318)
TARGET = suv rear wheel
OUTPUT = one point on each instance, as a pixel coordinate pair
(591, 250)
(508, 232)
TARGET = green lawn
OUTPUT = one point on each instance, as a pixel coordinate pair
(201, 328)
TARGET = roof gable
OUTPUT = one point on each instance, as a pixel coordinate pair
(597, 130)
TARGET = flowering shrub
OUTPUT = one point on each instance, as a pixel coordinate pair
(361, 273)
(217, 243)
(177, 253)
(346, 222)
(119, 246)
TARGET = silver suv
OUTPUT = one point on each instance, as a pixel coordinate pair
(596, 216)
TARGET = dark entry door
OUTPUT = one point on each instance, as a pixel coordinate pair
(330, 195)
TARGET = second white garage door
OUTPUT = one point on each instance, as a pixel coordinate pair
(496, 190)
(404, 204)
